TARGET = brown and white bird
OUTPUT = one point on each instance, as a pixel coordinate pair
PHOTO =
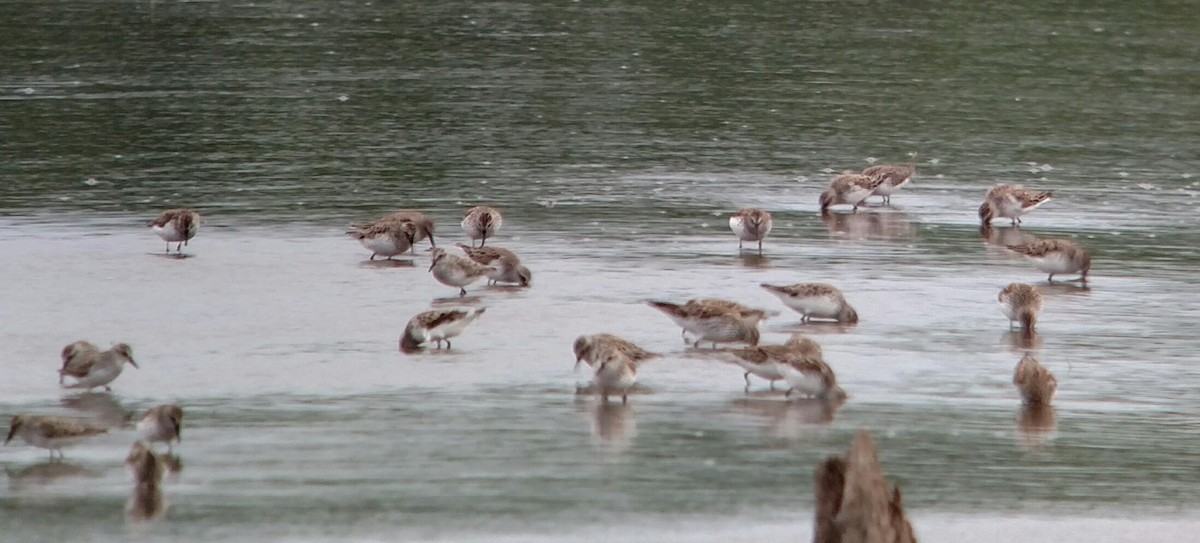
(437, 325)
(592, 349)
(893, 177)
(850, 189)
(49, 432)
(1036, 384)
(385, 238)
(1021, 303)
(92, 367)
(1010, 202)
(712, 324)
(176, 226)
(855, 503)
(506, 263)
(422, 226)
(803, 366)
(481, 223)
(1057, 256)
(162, 423)
(615, 374)
(750, 224)
(456, 271)
(814, 301)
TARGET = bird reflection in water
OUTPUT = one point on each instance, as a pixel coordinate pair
(790, 420)
(1001, 238)
(102, 409)
(869, 226)
(754, 260)
(146, 500)
(1035, 425)
(613, 424)
(46, 473)
(1019, 342)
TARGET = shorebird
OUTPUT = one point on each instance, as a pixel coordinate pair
(615, 374)
(809, 375)
(50, 433)
(750, 225)
(854, 501)
(176, 226)
(437, 325)
(1057, 256)
(814, 301)
(456, 271)
(712, 323)
(848, 188)
(423, 227)
(481, 223)
(1021, 303)
(162, 423)
(1036, 383)
(507, 264)
(591, 349)
(893, 177)
(1010, 202)
(386, 238)
(92, 367)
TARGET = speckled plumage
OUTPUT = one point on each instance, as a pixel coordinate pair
(1057, 256)
(49, 432)
(456, 271)
(1010, 202)
(712, 323)
(892, 177)
(594, 348)
(162, 423)
(92, 367)
(482, 222)
(750, 224)
(176, 226)
(385, 238)
(1036, 384)
(815, 301)
(848, 188)
(437, 325)
(509, 268)
(1021, 303)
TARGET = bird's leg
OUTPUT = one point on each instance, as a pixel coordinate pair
(168, 247)
(788, 394)
(625, 398)
(372, 256)
(760, 246)
(772, 384)
(178, 247)
(107, 388)
(462, 291)
(447, 344)
(696, 345)
(747, 377)
(1050, 279)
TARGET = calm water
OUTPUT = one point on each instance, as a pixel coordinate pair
(616, 137)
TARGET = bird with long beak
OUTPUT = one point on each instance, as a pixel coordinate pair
(456, 271)
(591, 349)
(162, 423)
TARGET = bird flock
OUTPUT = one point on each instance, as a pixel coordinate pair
(729, 328)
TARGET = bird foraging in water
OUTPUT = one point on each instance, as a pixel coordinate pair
(1021, 303)
(713, 323)
(591, 349)
(1010, 202)
(814, 301)
(176, 226)
(385, 238)
(506, 263)
(92, 367)
(1036, 384)
(50, 433)
(456, 271)
(750, 224)
(854, 502)
(615, 374)
(162, 423)
(437, 325)
(1057, 256)
(481, 223)
(848, 188)
(892, 177)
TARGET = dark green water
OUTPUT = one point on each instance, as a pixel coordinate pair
(616, 137)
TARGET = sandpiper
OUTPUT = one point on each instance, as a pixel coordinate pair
(848, 188)
(1021, 303)
(814, 301)
(507, 264)
(176, 226)
(854, 502)
(1057, 256)
(615, 374)
(481, 223)
(162, 423)
(893, 177)
(423, 227)
(750, 224)
(456, 271)
(51, 433)
(95, 368)
(73, 355)
(711, 323)
(1036, 383)
(437, 325)
(1010, 202)
(806, 372)
(593, 348)
(758, 361)
(385, 238)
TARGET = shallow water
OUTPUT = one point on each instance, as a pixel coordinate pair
(616, 137)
